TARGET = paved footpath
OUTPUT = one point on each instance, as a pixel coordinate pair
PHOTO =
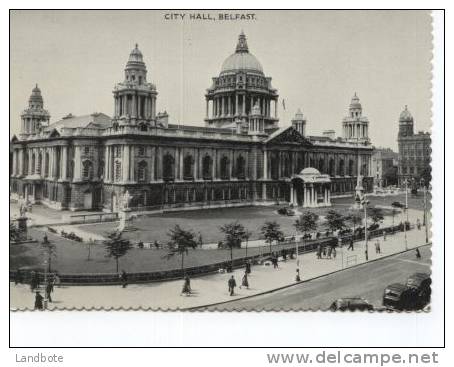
(212, 289)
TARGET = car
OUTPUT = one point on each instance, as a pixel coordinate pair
(420, 283)
(397, 204)
(398, 296)
(351, 304)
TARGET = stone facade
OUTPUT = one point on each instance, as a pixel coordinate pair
(384, 161)
(89, 162)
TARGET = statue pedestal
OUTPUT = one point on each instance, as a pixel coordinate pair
(22, 227)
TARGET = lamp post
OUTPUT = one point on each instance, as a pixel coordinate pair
(406, 212)
(365, 202)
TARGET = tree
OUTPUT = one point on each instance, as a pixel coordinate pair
(335, 220)
(307, 222)
(179, 244)
(356, 219)
(234, 233)
(116, 246)
(272, 232)
(375, 214)
(49, 248)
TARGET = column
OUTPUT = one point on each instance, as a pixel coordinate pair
(214, 157)
(125, 163)
(291, 193)
(20, 162)
(13, 173)
(106, 163)
(265, 165)
(329, 195)
(231, 164)
(64, 163)
(55, 163)
(236, 105)
(152, 165)
(196, 164)
(132, 165)
(181, 163)
(207, 106)
(275, 108)
(77, 164)
(244, 104)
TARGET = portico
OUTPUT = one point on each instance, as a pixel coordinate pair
(310, 189)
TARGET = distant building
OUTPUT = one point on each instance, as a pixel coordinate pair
(414, 152)
(384, 167)
(240, 157)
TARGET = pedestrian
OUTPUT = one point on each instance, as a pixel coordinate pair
(284, 254)
(186, 286)
(297, 278)
(330, 249)
(34, 282)
(418, 224)
(319, 252)
(124, 278)
(45, 239)
(418, 254)
(49, 290)
(38, 301)
(324, 251)
(18, 277)
(232, 285)
(245, 281)
(384, 235)
(248, 267)
(334, 252)
(377, 247)
(350, 245)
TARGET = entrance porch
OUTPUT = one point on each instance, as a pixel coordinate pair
(310, 189)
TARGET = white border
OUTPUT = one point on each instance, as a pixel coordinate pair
(241, 329)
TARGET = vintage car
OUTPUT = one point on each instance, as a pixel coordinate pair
(351, 304)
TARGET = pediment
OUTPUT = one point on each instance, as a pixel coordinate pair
(288, 136)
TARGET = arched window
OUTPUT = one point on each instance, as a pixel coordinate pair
(33, 164)
(188, 167)
(142, 171)
(87, 170)
(340, 170)
(331, 167)
(207, 164)
(46, 166)
(117, 171)
(321, 165)
(225, 168)
(351, 167)
(240, 167)
(168, 171)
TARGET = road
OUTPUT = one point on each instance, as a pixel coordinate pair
(367, 281)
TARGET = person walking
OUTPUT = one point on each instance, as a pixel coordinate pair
(418, 254)
(18, 277)
(384, 235)
(56, 280)
(350, 245)
(124, 279)
(38, 301)
(324, 251)
(248, 267)
(34, 281)
(232, 285)
(245, 281)
(297, 277)
(319, 251)
(334, 252)
(49, 290)
(330, 250)
(186, 286)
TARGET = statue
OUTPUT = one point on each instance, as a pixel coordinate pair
(359, 193)
(124, 213)
(125, 200)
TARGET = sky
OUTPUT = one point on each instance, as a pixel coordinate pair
(317, 61)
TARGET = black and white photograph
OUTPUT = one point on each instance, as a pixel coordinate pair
(221, 160)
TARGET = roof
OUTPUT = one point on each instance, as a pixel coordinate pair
(94, 121)
(242, 59)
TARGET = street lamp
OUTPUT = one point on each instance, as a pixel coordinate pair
(365, 202)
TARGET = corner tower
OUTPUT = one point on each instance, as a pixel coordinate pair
(35, 116)
(240, 86)
(135, 98)
(355, 126)
(406, 123)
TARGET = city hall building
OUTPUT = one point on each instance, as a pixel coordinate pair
(241, 156)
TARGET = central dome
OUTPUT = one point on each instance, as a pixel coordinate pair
(405, 116)
(242, 59)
